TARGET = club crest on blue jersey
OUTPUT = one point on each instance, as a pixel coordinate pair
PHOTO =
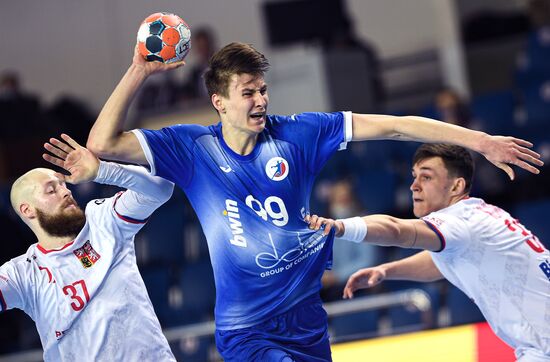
(277, 169)
(87, 255)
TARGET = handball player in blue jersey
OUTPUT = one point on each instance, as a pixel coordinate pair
(249, 178)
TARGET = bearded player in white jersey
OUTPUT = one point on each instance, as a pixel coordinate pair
(80, 282)
(478, 247)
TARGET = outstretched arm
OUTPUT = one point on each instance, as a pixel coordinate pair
(500, 151)
(107, 138)
(383, 230)
(419, 267)
(84, 166)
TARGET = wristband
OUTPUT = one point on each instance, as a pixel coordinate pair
(355, 229)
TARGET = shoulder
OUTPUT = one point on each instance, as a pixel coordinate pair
(191, 130)
(20, 264)
(450, 216)
(98, 210)
(95, 204)
(300, 118)
(181, 131)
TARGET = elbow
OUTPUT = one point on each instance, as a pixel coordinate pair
(97, 148)
(397, 127)
(395, 232)
(102, 149)
(166, 191)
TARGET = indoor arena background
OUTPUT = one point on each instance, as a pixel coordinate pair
(484, 64)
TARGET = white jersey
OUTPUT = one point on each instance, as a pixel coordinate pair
(88, 299)
(501, 266)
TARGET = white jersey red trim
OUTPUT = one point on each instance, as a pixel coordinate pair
(499, 264)
(87, 298)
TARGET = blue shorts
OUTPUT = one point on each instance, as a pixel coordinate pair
(299, 335)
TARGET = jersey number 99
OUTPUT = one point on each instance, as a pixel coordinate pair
(273, 207)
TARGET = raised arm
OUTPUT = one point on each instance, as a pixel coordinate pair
(149, 192)
(500, 151)
(419, 267)
(107, 138)
(383, 230)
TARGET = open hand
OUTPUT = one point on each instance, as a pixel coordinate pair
(81, 164)
(363, 278)
(504, 151)
(153, 67)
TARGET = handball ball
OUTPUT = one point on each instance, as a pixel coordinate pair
(164, 37)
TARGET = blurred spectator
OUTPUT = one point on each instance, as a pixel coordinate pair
(70, 115)
(158, 94)
(451, 108)
(539, 13)
(23, 129)
(203, 46)
(17, 106)
(347, 256)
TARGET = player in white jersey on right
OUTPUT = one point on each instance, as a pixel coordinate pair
(478, 247)
(80, 282)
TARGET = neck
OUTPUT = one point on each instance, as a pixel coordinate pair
(457, 198)
(239, 141)
(49, 242)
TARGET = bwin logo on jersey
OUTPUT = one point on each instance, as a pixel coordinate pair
(232, 213)
(277, 169)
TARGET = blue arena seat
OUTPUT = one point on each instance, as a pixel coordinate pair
(158, 281)
(534, 216)
(377, 191)
(533, 63)
(495, 111)
(536, 102)
(196, 281)
(462, 310)
(163, 235)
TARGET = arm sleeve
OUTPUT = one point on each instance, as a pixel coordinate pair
(169, 151)
(451, 230)
(145, 192)
(11, 293)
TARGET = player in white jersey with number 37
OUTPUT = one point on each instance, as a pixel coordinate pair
(80, 282)
(478, 247)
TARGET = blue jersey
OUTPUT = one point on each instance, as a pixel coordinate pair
(251, 208)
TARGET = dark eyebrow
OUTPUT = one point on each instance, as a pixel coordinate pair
(252, 88)
(424, 168)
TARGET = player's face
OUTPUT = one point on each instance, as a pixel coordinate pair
(431, 187)
(246, 105)
(57, 212)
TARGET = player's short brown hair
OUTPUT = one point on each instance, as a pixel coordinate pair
(234, 58)
(457, 160)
